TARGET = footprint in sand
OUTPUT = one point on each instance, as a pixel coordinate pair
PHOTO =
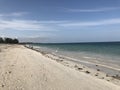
(87, 72)
(80, 68)
(96, 74)
(10, 72)
(3, 85)
(98, 69)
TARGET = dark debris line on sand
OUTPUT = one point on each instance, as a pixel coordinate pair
(116, 77)
(87, 72)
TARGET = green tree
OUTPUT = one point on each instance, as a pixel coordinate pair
(1, 40)
(15, 41)
(11, 41)
(8, 40)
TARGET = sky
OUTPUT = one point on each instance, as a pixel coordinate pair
(56, 21)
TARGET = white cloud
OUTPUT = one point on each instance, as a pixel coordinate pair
(94, 10)
(53, 22)
(19, 25)
(26, 25)
(14, 14)
(51, 25)
(92, 23)
(10, 21)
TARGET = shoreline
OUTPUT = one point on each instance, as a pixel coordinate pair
(100, 71)
(24, 69)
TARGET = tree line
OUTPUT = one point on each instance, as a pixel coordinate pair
(9, 40)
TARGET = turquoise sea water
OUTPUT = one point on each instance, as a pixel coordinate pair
(107, 53)
(108, 48)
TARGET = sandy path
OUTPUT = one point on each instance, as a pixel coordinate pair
(25, 69)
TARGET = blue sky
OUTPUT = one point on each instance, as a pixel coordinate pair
(60, 20)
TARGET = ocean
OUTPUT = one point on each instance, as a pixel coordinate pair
(105, 53)
(108, 48)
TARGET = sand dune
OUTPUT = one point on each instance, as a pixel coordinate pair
(25, 69)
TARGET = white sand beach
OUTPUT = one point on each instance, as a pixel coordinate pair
(25, 69)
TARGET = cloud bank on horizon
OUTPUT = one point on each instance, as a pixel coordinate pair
(52, 22)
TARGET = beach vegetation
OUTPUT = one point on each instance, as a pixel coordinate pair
(1, 40)
(9, 40)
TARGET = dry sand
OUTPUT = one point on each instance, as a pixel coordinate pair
(25, 69)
